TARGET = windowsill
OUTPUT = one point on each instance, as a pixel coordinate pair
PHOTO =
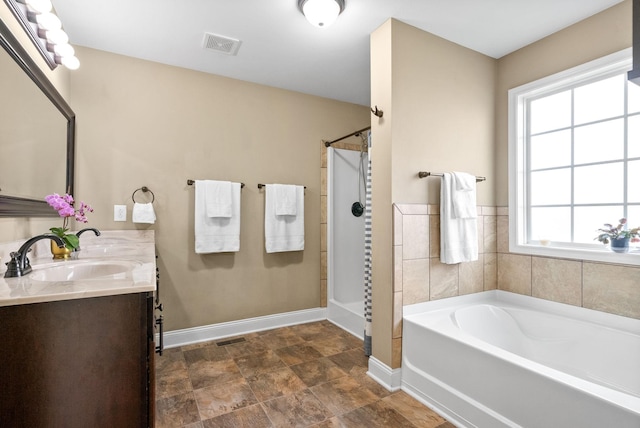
(604, 255)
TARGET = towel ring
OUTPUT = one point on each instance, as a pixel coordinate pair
(144, 189)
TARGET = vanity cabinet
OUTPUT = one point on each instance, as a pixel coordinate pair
(78, 363)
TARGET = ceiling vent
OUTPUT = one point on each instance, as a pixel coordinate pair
(221, 44)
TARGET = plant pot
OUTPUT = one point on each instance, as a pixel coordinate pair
(59, 253)
(620, 245)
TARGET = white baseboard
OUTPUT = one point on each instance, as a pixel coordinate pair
(385, 375)
(206, 333)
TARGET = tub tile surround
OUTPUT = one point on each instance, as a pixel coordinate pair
(601, 286)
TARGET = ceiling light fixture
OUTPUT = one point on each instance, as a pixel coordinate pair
(321, 13)
(44, 28)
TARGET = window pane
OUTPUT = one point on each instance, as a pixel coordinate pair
(549, 113)
(599, 142)
(551, 187)
(599, 184)
(549, 150)
(633, 216)
(599, 100)
(633, 97)
(634, 137)
(589, 219)
(633, 182)
(553, 224)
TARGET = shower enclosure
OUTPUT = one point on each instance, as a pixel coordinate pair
(345, 238)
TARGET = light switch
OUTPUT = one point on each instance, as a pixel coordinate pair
(119, 213)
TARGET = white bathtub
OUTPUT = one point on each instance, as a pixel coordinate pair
(498, 359)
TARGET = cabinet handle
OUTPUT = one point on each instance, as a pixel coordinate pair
(160, 324)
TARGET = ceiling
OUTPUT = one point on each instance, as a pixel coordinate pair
(281, 49)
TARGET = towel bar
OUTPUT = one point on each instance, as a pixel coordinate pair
(423, 174)
(192, 182)
(260, 186)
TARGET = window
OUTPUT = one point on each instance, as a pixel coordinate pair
(574, 160)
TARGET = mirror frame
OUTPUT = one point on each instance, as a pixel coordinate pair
(12, 206)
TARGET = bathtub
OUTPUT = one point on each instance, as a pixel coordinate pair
(498, 359)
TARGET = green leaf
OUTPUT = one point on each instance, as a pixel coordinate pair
(71, 241)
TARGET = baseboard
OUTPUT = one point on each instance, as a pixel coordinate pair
(390, 378)
(206, 333)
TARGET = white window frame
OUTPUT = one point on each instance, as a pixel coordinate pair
(619, 61)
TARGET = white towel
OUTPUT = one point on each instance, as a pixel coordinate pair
(143, 213)
(283, 232)
(285, 195)
(218, 198)
(463, 195)
(216, 234)
(458, 236)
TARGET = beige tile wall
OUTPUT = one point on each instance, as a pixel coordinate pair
(601, 286)
(420, 277)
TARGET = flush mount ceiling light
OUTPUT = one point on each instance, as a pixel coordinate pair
(321, 13)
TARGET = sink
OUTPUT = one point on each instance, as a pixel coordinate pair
(69, 271)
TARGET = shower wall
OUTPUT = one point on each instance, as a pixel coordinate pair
(346, 269)
(345, 239)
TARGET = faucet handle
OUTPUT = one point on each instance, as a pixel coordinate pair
(13, 266)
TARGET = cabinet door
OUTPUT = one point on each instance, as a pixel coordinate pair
(75, 363)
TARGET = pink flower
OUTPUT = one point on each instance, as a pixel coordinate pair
(64, 206)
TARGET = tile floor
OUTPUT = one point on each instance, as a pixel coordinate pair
(308, 375)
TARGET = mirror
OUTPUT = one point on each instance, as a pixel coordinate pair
(37, 135)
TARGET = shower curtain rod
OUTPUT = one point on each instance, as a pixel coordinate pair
(329, 143)
(423, 174)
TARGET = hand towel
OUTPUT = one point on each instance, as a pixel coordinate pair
(143, 213)
(283, 232)
(458, 236)
(285, 199)
(463, 195)
(216, 234)
(218, 198)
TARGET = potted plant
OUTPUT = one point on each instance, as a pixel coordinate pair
(64, 206)
(619, 236)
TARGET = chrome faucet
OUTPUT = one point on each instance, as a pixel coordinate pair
(19, 264)
(80, 232)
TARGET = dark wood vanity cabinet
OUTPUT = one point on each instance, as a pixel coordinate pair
(78, 363)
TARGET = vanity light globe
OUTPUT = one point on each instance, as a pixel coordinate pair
(71, 62)
(56, 37)
(321, 13)
(39, 6)
(48, 21)
(64, 50)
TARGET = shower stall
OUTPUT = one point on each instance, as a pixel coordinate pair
(346, 175)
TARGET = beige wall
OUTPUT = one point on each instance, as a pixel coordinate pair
(145, 124)
(438, 103)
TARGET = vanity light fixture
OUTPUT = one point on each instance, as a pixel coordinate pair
(45, 30)
(321, 13)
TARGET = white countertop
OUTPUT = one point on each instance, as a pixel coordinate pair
(129, 253)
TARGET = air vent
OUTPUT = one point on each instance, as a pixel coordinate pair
(231, 341)
(221, 44)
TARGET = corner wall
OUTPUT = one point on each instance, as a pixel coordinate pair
(438, 103)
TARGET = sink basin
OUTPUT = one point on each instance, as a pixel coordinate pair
(68, 271)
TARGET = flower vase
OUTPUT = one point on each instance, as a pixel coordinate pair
(59, 253)
(620, 245)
